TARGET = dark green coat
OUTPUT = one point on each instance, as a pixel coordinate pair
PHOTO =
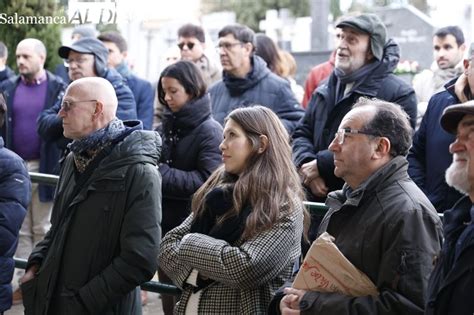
(104, 243)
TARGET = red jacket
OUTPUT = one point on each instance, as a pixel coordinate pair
(316, 75)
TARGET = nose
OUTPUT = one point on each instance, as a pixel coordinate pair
(334, 146)
(61, 112)
(457, 146)
(222, 145)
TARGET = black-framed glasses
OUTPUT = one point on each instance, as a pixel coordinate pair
(67, 105)
(227, 46)
(340, 134)
(189, 45)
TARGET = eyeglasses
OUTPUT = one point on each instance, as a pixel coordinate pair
(78, 61)
(189, 45)
(67, 105)
(340, 134)
(227, 46)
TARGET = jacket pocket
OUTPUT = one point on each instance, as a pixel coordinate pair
(28, 290)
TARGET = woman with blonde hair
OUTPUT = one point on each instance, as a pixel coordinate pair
(243, 236)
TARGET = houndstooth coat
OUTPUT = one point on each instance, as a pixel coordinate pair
(246, 275)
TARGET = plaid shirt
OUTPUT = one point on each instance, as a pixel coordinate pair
(246, 275)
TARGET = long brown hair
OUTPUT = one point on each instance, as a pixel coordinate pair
(269, 179)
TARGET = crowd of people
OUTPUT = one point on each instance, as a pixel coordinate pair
(203, 179)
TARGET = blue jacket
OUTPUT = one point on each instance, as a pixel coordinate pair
(144, 97)
(6, 74)
(261, 87)
(49, 151)
(450, 289)
(429, 155)
(316, 130)
(15, 192)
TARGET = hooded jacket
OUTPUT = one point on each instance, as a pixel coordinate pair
(429, 156)
(261, 87)
(104, 239)
(316, 130)
(191, 139)
(15, 192)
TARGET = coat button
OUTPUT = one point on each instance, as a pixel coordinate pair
(303, 305)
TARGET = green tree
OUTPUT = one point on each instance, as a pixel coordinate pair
(49, 34)
(251, 12)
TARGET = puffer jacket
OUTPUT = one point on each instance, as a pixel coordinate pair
(15, 194)
(390, 231)
(261, 87)
(104, 239)
(429, 156)
(190, 154)
(316, 130)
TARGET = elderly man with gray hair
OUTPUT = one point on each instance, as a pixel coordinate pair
(365, 61)
(105, 231)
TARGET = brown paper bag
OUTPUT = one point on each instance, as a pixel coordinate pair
(325, 269)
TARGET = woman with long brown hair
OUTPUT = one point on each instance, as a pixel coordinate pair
(243, 236)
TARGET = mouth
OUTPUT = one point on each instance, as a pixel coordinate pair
(225, 157)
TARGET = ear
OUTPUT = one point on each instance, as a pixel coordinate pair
(99, 109)
(382, 148)
(263, 144)
(465, 62)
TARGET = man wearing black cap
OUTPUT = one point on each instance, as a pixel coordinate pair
(452, 280)
(87, 57)
(80, 31)
(364, 66)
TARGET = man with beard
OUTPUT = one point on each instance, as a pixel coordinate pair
(451, 283)
(365, 60)
(448, 50)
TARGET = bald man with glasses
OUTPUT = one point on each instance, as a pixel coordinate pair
(105, 231)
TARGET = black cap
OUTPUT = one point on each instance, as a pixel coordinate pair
(453, 114)
(371, 25)
(88, 45)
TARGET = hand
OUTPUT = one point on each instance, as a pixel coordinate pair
(459, 87)
(290, 304)
(309, 171)
(29, 274)
(318, 187)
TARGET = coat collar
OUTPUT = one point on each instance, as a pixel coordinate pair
(394, 170)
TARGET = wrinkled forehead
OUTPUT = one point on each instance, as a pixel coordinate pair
(347, 30)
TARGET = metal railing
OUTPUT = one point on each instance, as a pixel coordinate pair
(155, 286)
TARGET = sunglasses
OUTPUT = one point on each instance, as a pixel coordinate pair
(190, 45)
